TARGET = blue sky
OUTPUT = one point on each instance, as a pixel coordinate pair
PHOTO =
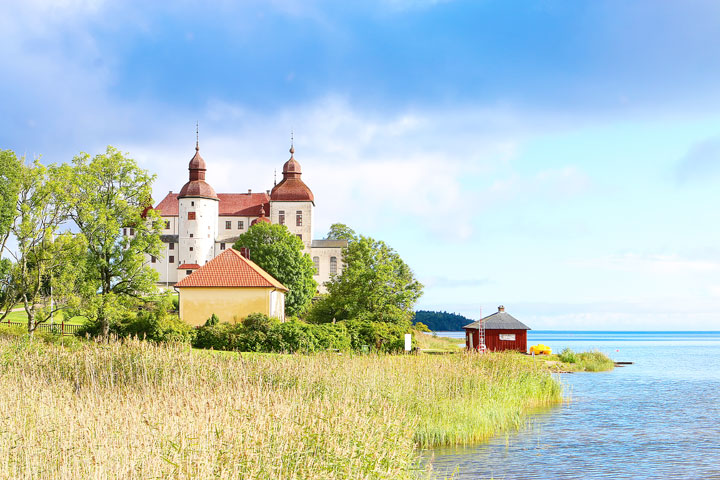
(560, 158)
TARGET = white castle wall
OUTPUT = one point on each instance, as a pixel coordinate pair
(197, 237)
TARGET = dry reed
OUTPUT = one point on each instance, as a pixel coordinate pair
(136, 410)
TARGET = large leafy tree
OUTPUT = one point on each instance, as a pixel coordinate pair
(109, 192)
(280, 253)
(10, 171)
(48, 266)
(375, 284)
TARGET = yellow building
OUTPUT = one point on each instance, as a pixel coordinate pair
(232, 287)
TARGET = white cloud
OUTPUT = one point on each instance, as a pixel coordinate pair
(665, 264)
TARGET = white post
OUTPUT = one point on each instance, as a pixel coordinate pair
(408, 342)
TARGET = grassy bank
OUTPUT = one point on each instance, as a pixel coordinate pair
(570, 361)
(137, 410)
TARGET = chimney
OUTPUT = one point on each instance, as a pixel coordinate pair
(245, 252)
(501, 308)
(267, 191)
(249, 191)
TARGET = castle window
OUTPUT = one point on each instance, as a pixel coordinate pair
(333, 265)
(228, 225)
(191, 249)
(132, 231)
(191, 215)
(316, 261)
(188, 272)
(241, 224)
(153, 259)
(191, 235)
(281, 217)
(167, 225)
(192, 204)
(172, 259)
(172, 246)
(298, 218)
(222, 246)
(125, 231)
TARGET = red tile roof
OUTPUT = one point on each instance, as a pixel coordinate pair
(188, 266)
(292, 188)
(230, 269)
(231, 204)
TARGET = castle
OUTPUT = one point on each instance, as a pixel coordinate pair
(199, 224)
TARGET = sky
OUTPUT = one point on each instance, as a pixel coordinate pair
(559, 158)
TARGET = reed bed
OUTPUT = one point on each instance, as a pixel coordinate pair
(138, 410)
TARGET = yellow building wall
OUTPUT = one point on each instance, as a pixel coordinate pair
(231, 305)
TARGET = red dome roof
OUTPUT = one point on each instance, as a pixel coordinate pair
(197, 186)
(261, 218)
(292, 188)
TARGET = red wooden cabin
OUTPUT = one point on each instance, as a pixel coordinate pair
(502, 332)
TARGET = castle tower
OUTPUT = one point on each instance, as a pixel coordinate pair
(292, 202)
(197, 219)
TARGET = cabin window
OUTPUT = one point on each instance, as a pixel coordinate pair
(172, 246)
(316, 261)
(508, 337)
(298, 218)
(333, 265)
(153, 259)
(228, 225)
(281, 217)
(167, 225)
(222, 246)
(191, 215)
(172, 259)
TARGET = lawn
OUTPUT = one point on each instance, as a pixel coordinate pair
(21, 316)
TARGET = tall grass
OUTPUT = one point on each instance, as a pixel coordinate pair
(138, 410)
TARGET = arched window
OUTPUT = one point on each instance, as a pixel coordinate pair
(333, 265)
(316, 261)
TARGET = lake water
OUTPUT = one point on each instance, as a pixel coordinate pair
(657, 418)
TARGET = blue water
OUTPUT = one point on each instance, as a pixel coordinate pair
(657, 418)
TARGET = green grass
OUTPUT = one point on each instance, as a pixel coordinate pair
(431, 343)
(139, 410)
(568, 360)
(21, 316)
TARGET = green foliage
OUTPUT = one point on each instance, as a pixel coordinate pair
(379, 336)
(441, 321)
(212, 321)
(280, 253)
(45, 261)
(107, 193)
(421, 327)
(10, 172)
(595, 361)
(340, 231)
(375, 286)
(153, 322)
(568, 356)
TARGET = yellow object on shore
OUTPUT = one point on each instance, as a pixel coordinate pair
(540, 349)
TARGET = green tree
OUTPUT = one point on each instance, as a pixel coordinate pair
(47, 268)
(109, 192)
(375, 285)
(10, 170)
(280, 253)
(340, 231)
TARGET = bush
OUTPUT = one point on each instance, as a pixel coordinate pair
(380, 336)
(568, 356)
(155, 323)
(421, 327)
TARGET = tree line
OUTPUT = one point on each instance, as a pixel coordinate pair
(441, 321)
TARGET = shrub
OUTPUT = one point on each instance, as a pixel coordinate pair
(568, 356)
(213, 320)
(421, 327)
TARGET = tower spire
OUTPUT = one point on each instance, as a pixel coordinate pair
(292, 143)
(197, 136)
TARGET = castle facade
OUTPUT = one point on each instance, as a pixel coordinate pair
(199, 224)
